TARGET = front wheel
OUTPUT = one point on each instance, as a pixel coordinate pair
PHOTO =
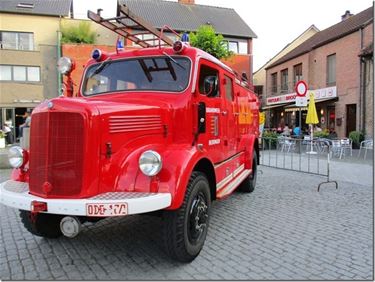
(185, 229)
(42, 224)
(248, 185)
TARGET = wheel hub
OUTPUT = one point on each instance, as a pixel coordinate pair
(198, 218)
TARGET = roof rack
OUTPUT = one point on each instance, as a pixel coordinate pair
(126, 21)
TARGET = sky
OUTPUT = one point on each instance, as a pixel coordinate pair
(275, 22)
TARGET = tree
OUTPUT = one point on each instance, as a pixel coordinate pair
(78, 34)
(206, 39)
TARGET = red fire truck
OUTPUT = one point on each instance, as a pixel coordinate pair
(166, 129)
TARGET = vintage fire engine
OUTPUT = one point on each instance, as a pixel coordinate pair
(161, 128)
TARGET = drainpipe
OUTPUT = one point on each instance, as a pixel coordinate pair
(361, 104)
(363, 91)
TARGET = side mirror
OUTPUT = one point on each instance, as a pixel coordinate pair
(210, 86)
(65, 65)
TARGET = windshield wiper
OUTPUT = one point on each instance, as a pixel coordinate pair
(101, 67)
(174, 61)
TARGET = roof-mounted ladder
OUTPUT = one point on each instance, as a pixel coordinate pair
(126, 22)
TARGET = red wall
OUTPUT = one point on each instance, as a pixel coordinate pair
(80, 53)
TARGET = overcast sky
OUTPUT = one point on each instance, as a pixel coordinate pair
(276, 22)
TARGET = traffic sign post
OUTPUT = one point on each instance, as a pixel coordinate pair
(301, 100)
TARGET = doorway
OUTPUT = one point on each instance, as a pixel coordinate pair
(351, 118)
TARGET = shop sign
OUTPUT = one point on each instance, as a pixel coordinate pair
(319, 94)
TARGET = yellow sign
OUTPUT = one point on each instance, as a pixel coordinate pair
(262, 118)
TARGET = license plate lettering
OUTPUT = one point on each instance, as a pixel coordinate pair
(106, 209)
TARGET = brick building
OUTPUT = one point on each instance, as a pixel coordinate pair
(259, 76)
(337, 64)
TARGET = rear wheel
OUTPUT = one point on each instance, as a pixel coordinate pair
(185, 229)
(42, 224)
(248, 185)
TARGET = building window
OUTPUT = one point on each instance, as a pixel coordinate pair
(19, 73)
(233, 46)
(331, 70)
(284, 80)
(212, 74)
(228, 88)
(274, 82)
(242, 47)
(258, 89)
(16, 40)
(5, 73)
(297, 73)
(33, 74)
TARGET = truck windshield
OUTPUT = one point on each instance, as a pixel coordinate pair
(169, 74)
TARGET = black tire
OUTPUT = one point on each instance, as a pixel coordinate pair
(248, 185)
(185, 229)
(42, 224)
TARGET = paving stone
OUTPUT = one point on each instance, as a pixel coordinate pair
(284, 230)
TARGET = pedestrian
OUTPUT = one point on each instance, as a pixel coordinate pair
(286, 130)
(296, 131)
(27, 122)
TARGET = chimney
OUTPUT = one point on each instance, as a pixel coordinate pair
(187, 2)
(347, 15)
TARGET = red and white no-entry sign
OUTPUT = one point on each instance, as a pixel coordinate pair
(301, 88)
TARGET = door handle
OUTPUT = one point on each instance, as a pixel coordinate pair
(236, 114)
(224, 113)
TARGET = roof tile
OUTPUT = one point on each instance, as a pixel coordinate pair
(39, 7)
(184, 17)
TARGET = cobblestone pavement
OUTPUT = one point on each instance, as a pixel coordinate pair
(284, 230)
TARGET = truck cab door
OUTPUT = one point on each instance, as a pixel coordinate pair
(230, 116)
(209, 94)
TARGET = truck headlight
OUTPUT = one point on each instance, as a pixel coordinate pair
(64, 65)
(16, 156)
(150, 163)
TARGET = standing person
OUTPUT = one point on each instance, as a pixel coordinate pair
(27, 122)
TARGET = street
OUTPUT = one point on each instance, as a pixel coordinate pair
(284, 230)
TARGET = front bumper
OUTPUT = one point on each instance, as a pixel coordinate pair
(15, 194)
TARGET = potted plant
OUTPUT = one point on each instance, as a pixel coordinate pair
(269, 139)
(357, 137)
(2, 139)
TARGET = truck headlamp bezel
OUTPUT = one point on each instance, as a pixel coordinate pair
(150, 163)
(17, 157)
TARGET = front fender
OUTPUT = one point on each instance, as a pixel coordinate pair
(178, 163)
(248, 144)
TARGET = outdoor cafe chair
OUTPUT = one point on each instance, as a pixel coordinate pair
(346, 145)
(286, 144)
(365, 145)
(335, 149)
(323, 144)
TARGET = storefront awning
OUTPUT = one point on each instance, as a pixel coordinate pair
(274, 106)
(294, 108)
(327, 99)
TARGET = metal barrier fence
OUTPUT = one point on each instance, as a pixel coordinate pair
(296, 154)
(301, 155)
